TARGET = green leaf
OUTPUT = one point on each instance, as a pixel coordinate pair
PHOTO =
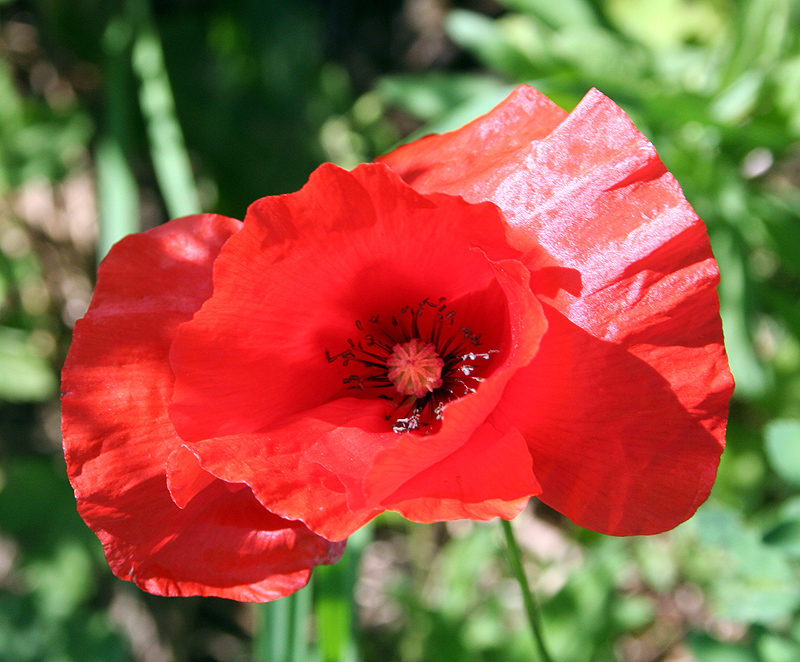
(561, 14)
(751, 377)
(787, 80)
(117, 189)
(706, 649)
(490, 41)
(63, 582)
(25, 376)
(633, 612)
(737, 100)
(432, 95)
(170, 159)
(773, 648)
(666, 25)
(786, 536)
(783, 448)
(749, 581)
(763, 29)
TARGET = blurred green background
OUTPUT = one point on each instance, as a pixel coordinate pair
(121, 114)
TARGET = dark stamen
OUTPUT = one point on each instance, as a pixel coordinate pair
(456, 350)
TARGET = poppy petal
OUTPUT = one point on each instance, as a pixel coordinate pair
(307, 449)
(283, 478)
(460, 160)
(291, 288)
(413, 454)
(614, 448)
(118, 438)
(592, 192)
(624, 406)
(489, 476)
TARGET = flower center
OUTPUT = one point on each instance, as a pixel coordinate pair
(420, 357)
(415, 368)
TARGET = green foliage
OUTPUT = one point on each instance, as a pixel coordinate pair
(48, 615)
(25, 375)
(783, 448)
(36, 142)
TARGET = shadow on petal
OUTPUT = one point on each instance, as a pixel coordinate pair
(613, 447)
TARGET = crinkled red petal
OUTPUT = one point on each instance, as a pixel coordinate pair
(290, 286)
(305, 268)
(489, 476)
(615, 447)
(118, 437)
(625, 405)
(463, 418)
(277, 470)
(472, 156)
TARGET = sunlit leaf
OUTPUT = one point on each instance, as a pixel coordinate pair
(753, 581)
(24, 374)
(774, 648)
(557, 14)
(706, 649)
(783, 448)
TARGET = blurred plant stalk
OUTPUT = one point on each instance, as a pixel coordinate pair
(134, 55)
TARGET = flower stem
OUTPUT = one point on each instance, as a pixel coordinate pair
(333, 602)
(173, 168)
(534, 616)
(281, 633)
(117, 190)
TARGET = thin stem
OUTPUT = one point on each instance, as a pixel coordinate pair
(300, 623)
(171, 161)
(272, 638)
(281, 633)
(118, 193)
(534, 616)
(333, 602)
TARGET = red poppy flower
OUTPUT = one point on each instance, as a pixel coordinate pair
(625, 405)
(197, 535)
(531, 312)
